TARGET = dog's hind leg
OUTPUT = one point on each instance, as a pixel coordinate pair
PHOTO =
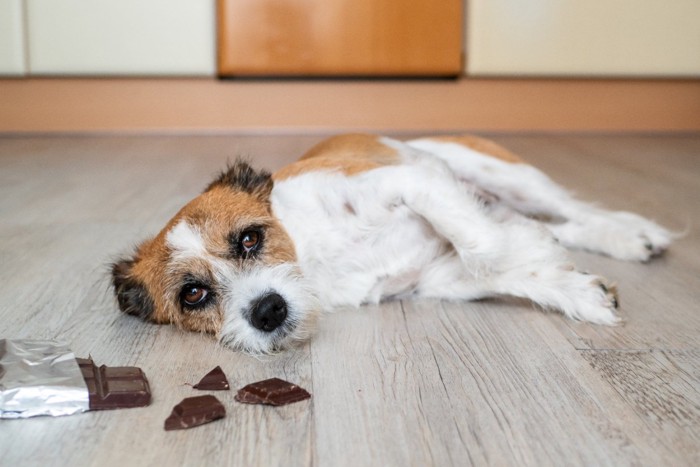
(518, 257)
(523, 188)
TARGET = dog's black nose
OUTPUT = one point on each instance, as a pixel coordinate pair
(269, 312)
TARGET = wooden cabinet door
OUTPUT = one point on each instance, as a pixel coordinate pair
(340, 37)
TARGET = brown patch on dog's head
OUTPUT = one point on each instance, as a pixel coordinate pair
(191, 272)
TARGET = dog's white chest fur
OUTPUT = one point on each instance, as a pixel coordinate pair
(355, 244)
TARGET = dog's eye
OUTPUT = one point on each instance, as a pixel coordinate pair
(250, 239)
(194, 295)
(246, 244)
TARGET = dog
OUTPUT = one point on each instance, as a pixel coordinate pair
(359, 219)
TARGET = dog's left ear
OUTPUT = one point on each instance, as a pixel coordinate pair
(131, 293)
(242, 176)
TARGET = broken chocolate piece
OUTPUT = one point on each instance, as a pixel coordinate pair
(215, 380)
(194, 411)
(115, 387)
(272, 392)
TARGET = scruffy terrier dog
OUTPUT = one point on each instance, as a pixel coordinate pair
(361, 219)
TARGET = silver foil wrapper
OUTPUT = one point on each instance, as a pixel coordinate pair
(39, 377)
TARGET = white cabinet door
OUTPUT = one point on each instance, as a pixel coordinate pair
(584, 37)
(121, 37)
(12, 61)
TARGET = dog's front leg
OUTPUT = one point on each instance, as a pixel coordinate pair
(518, 258)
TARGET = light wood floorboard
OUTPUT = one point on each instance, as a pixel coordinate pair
(404, 383)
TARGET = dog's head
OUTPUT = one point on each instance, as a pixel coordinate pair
(223, 265)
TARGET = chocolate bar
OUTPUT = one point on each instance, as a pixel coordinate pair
(194, 411)
(272, 391)
(115, 387)
(215, 380)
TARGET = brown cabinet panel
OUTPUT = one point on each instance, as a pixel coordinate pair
(340, 37)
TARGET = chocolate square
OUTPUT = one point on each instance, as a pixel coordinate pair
(115, 387)
(272, 391)
(215, 380)
(194, 411)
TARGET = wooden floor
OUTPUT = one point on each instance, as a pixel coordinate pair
(404, 383)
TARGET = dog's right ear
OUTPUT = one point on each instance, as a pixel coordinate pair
(241, 176)
(131, 293)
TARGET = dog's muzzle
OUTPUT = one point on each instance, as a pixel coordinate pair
(269, 312)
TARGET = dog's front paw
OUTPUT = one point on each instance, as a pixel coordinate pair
(593, 299)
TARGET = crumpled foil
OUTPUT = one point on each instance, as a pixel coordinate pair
(39, 377)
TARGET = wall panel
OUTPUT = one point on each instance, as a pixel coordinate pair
(125, 37)
(12, 50)
(584, 38)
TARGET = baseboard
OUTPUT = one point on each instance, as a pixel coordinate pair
(207, 105)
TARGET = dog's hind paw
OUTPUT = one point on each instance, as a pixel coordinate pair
(620, 235)
(637, 239)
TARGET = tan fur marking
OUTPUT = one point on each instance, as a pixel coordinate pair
(216, 213)
(352, 146)
(483, 146)
(350, 154)
(148, 268)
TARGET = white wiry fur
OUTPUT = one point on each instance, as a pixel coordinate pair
(240, 290)
(185, 241)
(526, 190)
(419, 229)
